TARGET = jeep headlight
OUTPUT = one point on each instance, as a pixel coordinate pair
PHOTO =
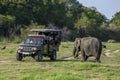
(34, 48)
(20, 47)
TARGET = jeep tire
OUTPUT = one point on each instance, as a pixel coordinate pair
(53, 55)
(38, 56)
(19, 57)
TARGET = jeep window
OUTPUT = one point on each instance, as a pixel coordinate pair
(37, 41)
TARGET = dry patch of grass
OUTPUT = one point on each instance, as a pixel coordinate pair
(109, 53)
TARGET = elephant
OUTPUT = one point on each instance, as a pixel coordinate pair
(89, 46)
(76, 47)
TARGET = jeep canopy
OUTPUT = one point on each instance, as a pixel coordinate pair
(47, 31)
(54, 33)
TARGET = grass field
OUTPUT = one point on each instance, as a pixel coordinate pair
(65, 68)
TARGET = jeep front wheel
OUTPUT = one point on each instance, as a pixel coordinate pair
(38, 57)
(19, 56)
(53, 55)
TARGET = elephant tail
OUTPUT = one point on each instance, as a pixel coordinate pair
(101, 46)
(100, 49)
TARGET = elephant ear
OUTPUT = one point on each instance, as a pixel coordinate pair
(79, 41)
(76, 42)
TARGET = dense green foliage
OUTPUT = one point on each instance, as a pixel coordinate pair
(116, 20)
(64, 14)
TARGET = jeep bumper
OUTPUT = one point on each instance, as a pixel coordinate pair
(26, 53)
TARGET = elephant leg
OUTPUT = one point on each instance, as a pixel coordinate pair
(75, 52)
(84, 58)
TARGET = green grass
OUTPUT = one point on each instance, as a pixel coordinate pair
(62, 69)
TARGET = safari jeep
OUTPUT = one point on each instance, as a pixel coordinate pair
(37, 46)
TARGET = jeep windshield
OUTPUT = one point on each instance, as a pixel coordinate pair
(34, 40)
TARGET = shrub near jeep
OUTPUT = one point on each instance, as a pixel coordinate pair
(36, 46)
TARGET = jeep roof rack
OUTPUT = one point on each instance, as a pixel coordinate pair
(36, 35)
(45, 30)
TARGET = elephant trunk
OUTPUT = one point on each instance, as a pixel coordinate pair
(74, 51)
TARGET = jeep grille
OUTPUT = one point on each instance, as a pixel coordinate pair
(27, 48)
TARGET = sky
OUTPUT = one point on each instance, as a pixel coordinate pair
(106, 7)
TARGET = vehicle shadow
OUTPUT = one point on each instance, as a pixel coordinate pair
(61, 60)
(75, 60)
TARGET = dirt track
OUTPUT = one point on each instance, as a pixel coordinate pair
(109, 53)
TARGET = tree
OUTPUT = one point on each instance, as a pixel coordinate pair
(115, 20)
(88, 23)
(6, 25)
(60, 13)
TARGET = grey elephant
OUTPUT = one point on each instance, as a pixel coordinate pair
(89, 46)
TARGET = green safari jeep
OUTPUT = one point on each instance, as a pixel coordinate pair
(37, 46)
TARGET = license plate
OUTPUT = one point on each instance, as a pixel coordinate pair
(26, 53)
